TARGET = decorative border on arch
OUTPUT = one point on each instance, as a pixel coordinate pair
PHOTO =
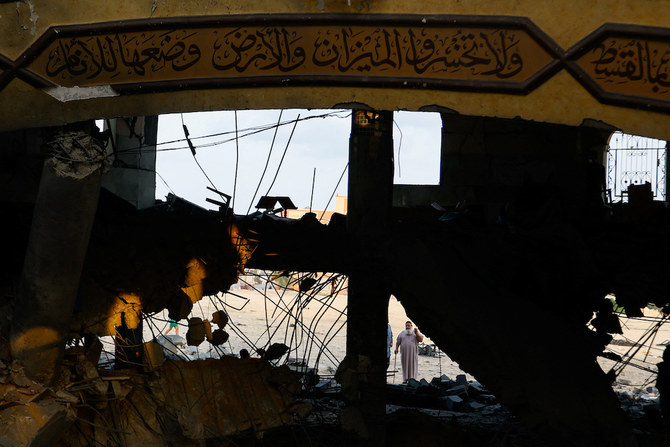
(625, 65)
(474, 53)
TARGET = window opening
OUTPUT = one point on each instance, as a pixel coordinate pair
(417, 140)
(635, 160)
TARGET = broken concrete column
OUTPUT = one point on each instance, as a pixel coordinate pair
(128, 344)
(370, 194)
(62, 219)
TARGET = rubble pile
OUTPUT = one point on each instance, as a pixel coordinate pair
(641, 405)
(91, 406)
(443, 393)
(30, 413)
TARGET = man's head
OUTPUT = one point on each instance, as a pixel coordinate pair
(408, 325)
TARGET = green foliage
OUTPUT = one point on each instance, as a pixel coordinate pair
(618, 309)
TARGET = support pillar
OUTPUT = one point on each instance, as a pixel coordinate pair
(62, 219)
(133, 173)
(128, 346)
(369, 209)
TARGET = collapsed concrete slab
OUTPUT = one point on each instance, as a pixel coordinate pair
(30, 413)
(503, 331)
(183, 403)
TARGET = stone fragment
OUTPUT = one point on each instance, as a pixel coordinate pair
(208, 329)
(301, 409)
(196, 331)
(453, 403)
(651, 390)
(94, 351)
(476, 388)
(351, 420)
(458, 390)
(219, 337)
(39, 423)
(474, 405)
(89, 373)
(275, 351)
(487, 398)
(20, 380)
(220, 318)
(66, 397)
(462, 380)
(413, 383)
(154, 356)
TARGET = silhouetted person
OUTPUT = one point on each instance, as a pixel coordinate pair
(663, 385)
(408, 343)
(173, 325)
(389, 344)
(595, 185)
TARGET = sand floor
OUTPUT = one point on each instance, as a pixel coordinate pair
(314, 327)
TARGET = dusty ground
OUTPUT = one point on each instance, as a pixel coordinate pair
(323, 318)
(290, 318)
(248, 329)
(644, 344)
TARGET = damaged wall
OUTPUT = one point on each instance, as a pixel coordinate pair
(179, 403)
(488, 277)
(553, 94)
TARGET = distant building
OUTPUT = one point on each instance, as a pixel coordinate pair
(323, 216)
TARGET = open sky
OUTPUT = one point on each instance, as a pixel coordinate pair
(320, 142)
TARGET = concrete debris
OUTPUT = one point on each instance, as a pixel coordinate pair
(35, 423)
(154, 356)
(458, 390)
(301, 409)
(413, 383)
(275, 351)
(428, 430)
(453, 403)
(196, 331)
(220, 318)
(90, 378)
(475, 406)
(242, 395)
(165, 407)
(77, 154)
(172, 343)
(76, 93)
(196, 271)
(66, 397)
(462, 380)
(351, 420)
(219, 337)
(31, 414)
(208, 329)
(429, 350)
(441, 393)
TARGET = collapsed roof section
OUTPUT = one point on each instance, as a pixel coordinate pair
(547, 62)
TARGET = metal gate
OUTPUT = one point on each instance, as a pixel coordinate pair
(635, 160)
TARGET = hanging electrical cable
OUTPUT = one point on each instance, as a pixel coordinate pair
(249, 132)
(267, 162)
(295, 123)
(399, 147)
(334, 191)
(192, 147)
(237, 161)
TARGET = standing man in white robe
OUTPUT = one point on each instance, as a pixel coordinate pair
(389, 342)
(408, 343)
